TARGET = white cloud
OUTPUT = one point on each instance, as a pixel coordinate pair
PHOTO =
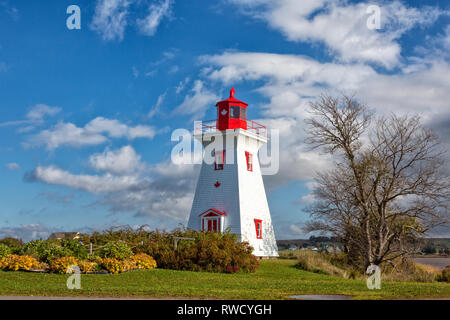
(95, 132)
(26, 232)
(91, 183)
(446, 38)
(168, 196)
(197, 102)
(290, 82)
(65, 134)
(13, 166)
(110, 19)
(124, 160)
(40, 111)
(232, 67)
(34, 117)
(296, 230)
(308, 198)
(174, 69)
(135, 72)
(157, 12)
(182, 84)
(164, 190)
(156, 109)
(342, 26)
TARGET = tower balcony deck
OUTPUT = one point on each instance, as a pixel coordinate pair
(209, 126)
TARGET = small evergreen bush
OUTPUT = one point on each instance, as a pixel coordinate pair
(116, 249)
(4, 250)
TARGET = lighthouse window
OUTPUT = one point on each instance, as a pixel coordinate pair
(235, 112)
(220, 160)
(243, 113)
(258, 227)
(249, 159)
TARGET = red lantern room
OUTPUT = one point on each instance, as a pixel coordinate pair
(231, 113)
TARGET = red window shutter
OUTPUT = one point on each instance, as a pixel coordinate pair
(258, 228)
(220, 160)
(249, 160)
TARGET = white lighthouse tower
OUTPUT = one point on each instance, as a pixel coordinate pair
(230, 192)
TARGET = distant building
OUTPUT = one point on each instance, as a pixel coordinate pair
(64, 235)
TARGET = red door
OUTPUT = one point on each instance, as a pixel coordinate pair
(212, 225)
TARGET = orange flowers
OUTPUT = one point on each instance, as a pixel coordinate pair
(61, 265)
(144, 261)
(14, 263)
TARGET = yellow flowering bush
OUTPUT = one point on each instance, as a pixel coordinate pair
(61, 265)
(15, 262)
(113, 265)
(129, 264)
(87, 266)
(144, 261)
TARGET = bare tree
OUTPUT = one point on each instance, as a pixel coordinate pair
(388, 187)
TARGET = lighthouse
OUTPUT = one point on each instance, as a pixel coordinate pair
(230, 194)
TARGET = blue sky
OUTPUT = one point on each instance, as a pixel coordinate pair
(87, 115)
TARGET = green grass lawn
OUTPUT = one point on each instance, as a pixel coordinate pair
(276, 279)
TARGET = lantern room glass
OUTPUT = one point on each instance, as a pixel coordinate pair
(237, 112)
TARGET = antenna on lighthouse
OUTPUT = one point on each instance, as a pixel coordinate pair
(232, 91)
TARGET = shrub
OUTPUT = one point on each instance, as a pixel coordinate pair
(15, 262)
(61, 265)
(210, 251)
(144, 261)
(77, 249)
(43, 266)
(35, 248)
(320, 263)
(48, 250)
(116, 249)
(44, 250)
(113, 265)
(287, 255)
(4, 250)
(404, 269)
(12, 243)
(88, 266)
(215, 252)
(55, 252)
(445, 276)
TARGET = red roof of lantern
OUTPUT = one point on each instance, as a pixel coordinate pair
(231, 99)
